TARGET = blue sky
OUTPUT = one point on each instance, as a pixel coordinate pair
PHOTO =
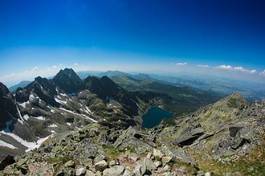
(42, 36)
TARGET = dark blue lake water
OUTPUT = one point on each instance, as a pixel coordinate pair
(154, 116)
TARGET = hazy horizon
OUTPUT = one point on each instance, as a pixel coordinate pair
(219, 39)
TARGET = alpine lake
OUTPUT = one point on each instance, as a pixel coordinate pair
(154, 115)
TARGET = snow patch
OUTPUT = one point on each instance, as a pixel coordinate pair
(20, 117)
(26, 117)
(52, 126)
(82, 115)
(39, 118)
(88, 110)
(29, 145)
(63, 94)
(60, 101)
(24, 104)
(32, 97)
(69, 124)
(52, 110)
(5, 144)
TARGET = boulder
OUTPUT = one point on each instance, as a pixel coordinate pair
(149, 164)
(157, 154)
(90, 173)
(70, 163)
(166, 159)
(101, 165)
(80, 171)
(114, 171)
(140, 169)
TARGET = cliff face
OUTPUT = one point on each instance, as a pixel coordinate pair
(225, 138)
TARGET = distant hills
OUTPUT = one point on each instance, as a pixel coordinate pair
(21, 84)
(223, 86)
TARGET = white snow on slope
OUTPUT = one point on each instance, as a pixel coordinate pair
(24, 104)
(39, 118)
(53, 126)
(33, 97)
(5, 144)
(52, 110)
(26, 117)
(88, 110)
(82, 115)
(60, 101)
(29, 145)
(20, 117)
(63, 94)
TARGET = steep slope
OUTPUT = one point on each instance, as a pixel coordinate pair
(42, 87)
(8, 111)
(107, 90)
(234, 146)
(225, 135)
(13, 129)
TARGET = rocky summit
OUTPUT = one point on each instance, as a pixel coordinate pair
(224, 138)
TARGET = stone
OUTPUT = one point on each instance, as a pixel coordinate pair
(166, 159)
(127, 173)
(200, 173)
(98, 173)
(114, 171)
(90, 173)
(70, 163)
(80, 171)
(112, 163)
(140, 169)
(168, 174)
(150, 166)
(158, 163)
(166, 168)
(149, 155)
(99, 157)
(101, 165)
(157, 154)
(134, 157)
(207, 174)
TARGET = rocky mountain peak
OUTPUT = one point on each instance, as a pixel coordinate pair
(68, 81)
(236, 101)
(3, 90)
(103, 87)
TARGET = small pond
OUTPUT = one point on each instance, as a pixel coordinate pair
(154, 116)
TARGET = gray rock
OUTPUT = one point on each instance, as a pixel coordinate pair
(140, 169)
(90, 173)
(166, 168)
(99, 157)
(70, 163)
(134, 157)
(207, 174)
(166, 159)
(157, 154)
(101, 165)
(150, 166)
(127, 173)
(158, 163)
(80, 171)
(114, 171)
(112, 163)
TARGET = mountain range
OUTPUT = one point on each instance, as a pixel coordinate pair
(93, 126)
